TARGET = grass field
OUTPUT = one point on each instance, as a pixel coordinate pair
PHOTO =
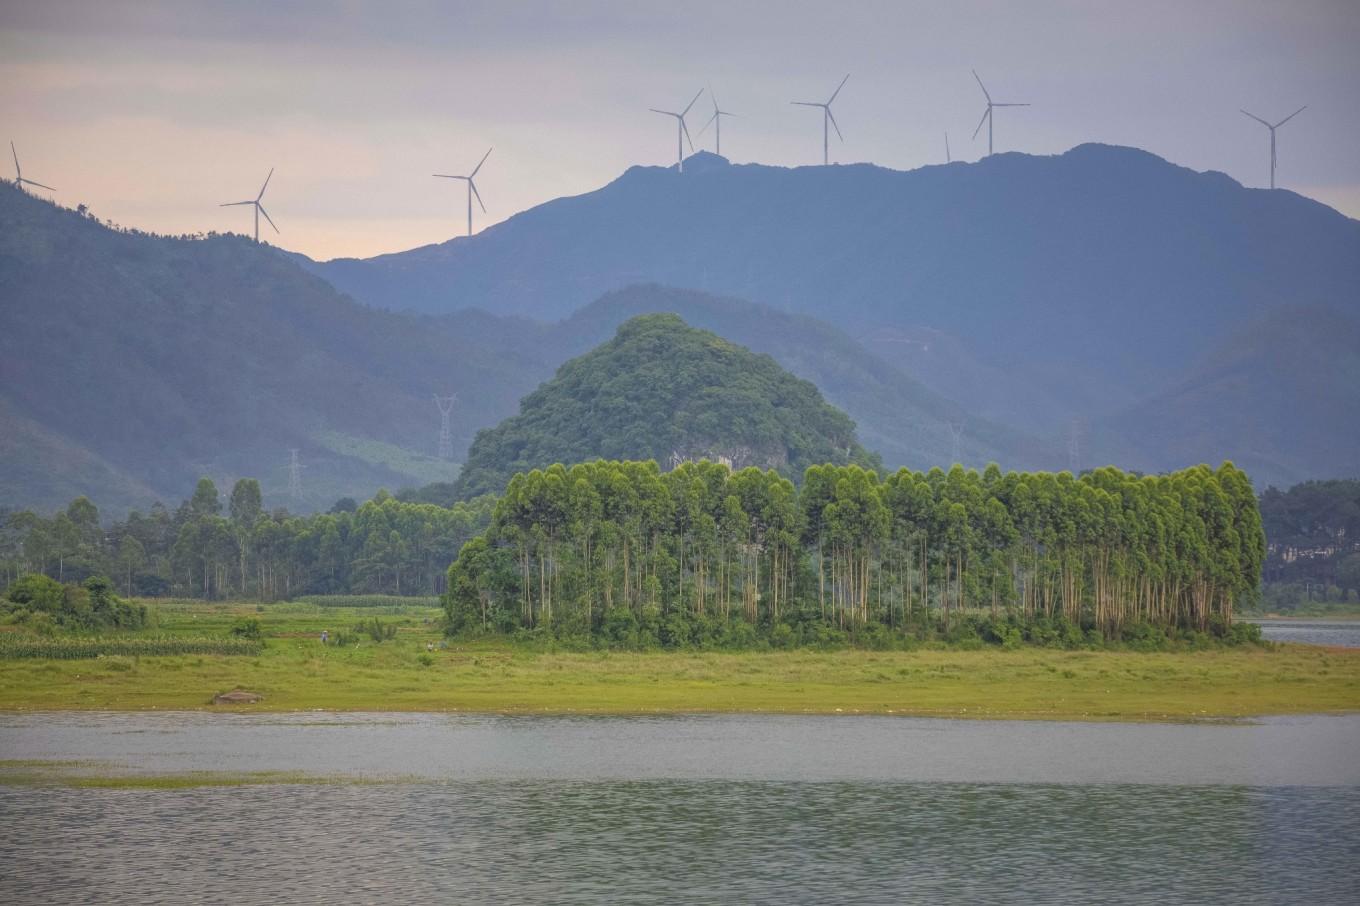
(296, 672)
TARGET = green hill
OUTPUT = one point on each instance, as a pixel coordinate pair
(663, 390)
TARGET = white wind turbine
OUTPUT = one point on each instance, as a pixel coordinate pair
(716, 122)
(827, 118)
(472, 187)
(681, 132)
(987, 114)
(1272, 136)
(259, 208)
(19, 174)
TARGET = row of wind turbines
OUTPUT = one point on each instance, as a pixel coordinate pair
(682, 137)
(828, 122)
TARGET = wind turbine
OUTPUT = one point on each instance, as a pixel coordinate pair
(987, 114)
(681, 132)
(716, 122)
(259, 208)
(827, 118)
(19, 174)
(472, 186)
(948, 158)
(1272, 136)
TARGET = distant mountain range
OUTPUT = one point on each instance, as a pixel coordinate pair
(131, 364)
(1050, 294)
(1103, 300)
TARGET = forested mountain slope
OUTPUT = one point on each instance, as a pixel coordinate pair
(1280, 397)
(666, 391)
(132, 364)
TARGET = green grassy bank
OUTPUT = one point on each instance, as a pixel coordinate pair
(295, 672)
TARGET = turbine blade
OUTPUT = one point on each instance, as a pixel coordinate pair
(446, 176)
(838, 89)
(266, 215)
(1257, 118)
(691, 103)
(685, 130)
(662, 112)
(266, 184)
(807, 104)
(1012, 105)
(232, 204)
(16, 160)
(982, 86)
(482, 161)
(709, 123)
(986, 113)
(473, 186)
(831, 116)
(39, 185)
(1291, 116)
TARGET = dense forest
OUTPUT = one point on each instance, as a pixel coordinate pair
(663, 390)
(1314, 552)
(207, 550)
(623, 550)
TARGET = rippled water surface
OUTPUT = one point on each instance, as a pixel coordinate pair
(735, 809)
(1341, 633)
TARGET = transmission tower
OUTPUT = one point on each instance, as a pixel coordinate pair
(445, 404)
(1074, 434)
(956, 431)
(294, 476)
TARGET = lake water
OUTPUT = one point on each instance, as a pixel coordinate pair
(702, 809)
(1341, 633)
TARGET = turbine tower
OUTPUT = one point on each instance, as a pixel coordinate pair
(472, 186)
(681, 132)
(948, 158)
(1272, 136)
(259, 208)
(19, 174)
(716, 122)
(445, 404)
(827, 118)
(987, 114)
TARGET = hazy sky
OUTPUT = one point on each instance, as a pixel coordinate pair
(153, 113)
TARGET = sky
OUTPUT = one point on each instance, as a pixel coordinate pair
(154, 113)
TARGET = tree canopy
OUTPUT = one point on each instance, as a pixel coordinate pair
(606, 547)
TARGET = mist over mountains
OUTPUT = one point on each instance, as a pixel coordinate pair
(1157, 316)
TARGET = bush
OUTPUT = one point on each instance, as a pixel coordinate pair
(376, 629)
(782, 636)
(89, 605)
(247, 628)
